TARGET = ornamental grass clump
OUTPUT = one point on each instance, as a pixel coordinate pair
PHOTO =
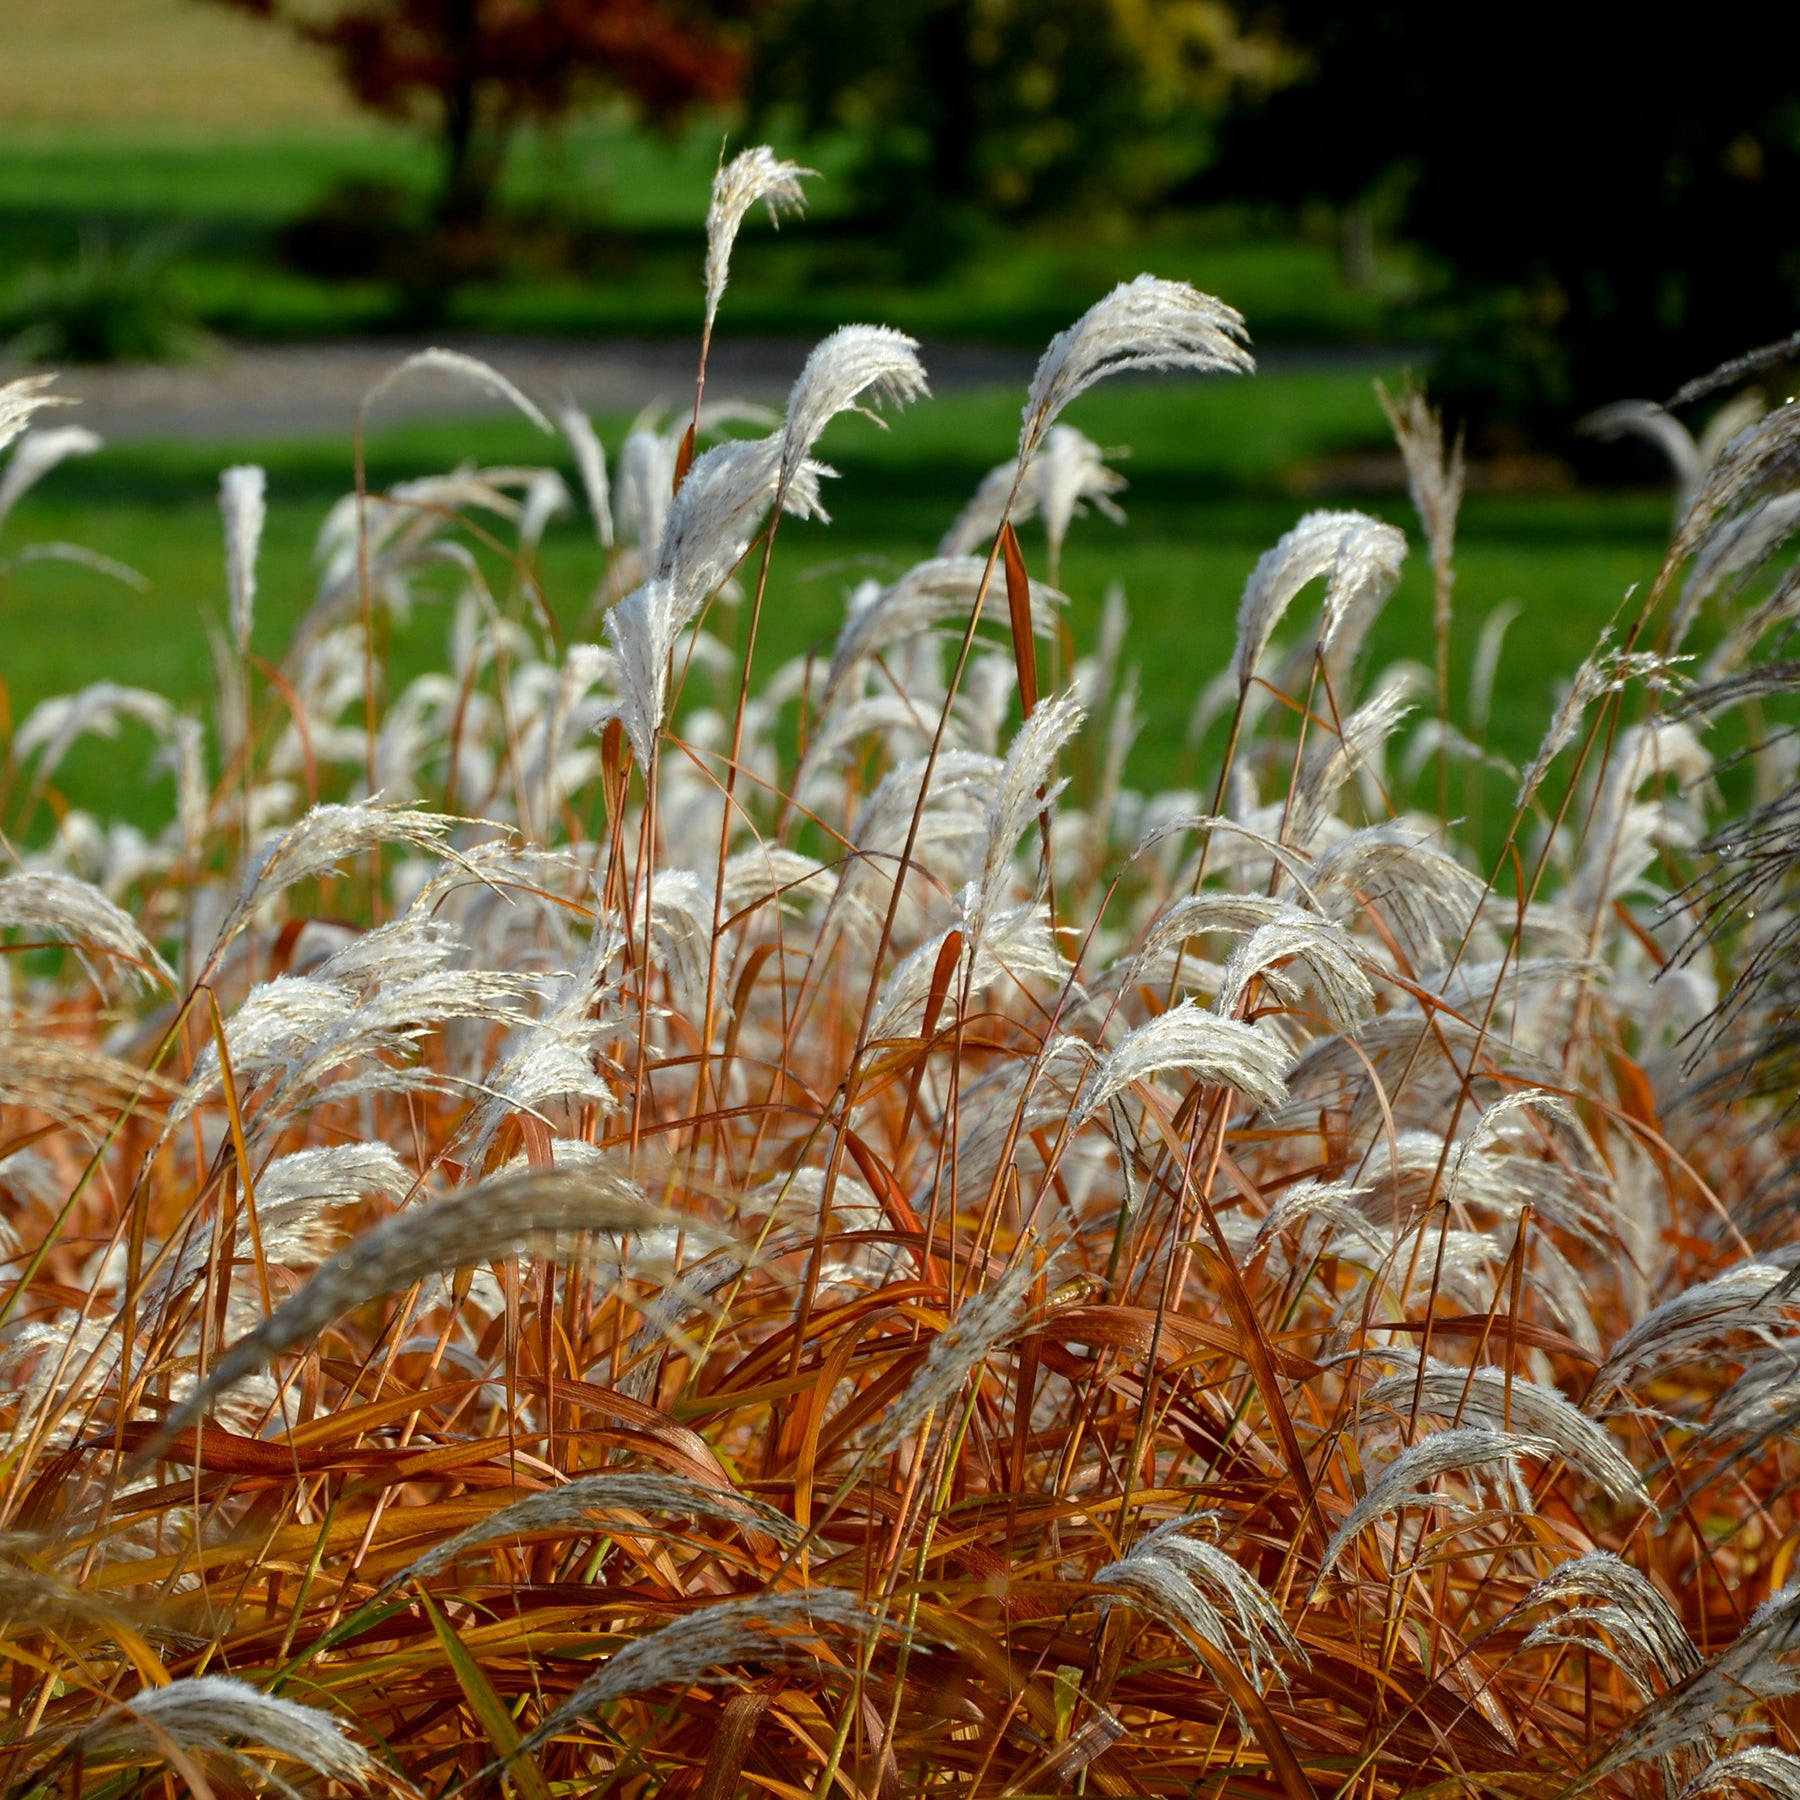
(627, 1218)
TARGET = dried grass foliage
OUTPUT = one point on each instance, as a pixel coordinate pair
(623, 1221)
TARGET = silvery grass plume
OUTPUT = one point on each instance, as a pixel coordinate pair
(1065, 472)
(1752, 1669)
(1518, 1100)
(53, 725)
(243, 502)
(1360, 558)
(329, 1175)
(712, 520)
(752, 176)
(546, 497)
(1753, 1297)
(1689, 457)
(22, 398)
(1221, 1052)
(1069, 470)
(707, 530)
(292, 1196)
(1648, 1636)
(1193, 1584)
(645, 486)
(67, 1081)
(977, 523)
(856, 369)
(779, 1629)
(1327, 951)
(35, 1593)
(1195, 915)
(1741, 545)
(552, 1059)
(905, 610)
(478, 1224)
(322, 841)
(1410, 1478)
(1356, 748)
(1606, 670)
(347, 1039)
(1434, 477)
(465, 368)
(1624, 834)
(1762, 1766)
(1024, 777)
(212, 1713)
(590, 463)
(106, 937)
(1424, 893)
(623, 1496)
(1336, 1203)
(1485, 1396)
(1142, 324)
(36, 454)
(1016, 942)
(984, 1323)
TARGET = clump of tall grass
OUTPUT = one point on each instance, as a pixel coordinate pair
(621, 1219)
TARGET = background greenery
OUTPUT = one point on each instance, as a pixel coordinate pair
(179, 129)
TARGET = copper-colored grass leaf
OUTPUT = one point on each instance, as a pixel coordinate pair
(1018, 602)
(684, 458)
(739, 1721)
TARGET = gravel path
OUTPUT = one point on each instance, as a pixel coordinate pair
(256, 392)
(262, 391)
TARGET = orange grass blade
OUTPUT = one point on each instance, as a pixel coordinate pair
(1018, 605)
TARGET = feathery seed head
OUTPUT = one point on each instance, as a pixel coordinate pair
(465, 368)
(1409, 1480)
(1142, 324)
(215, 1713)
(243, 503)
(36, 454)
(20, 399)
(1220, 1052)
(753, 175)
(855, 369)
(473, 1225)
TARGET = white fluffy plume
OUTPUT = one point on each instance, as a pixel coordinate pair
(36, 454)
(1142, 324)
(243, 503)
(1411, 1478)
(752, 176)
(217, 1713)
(1223, 1052)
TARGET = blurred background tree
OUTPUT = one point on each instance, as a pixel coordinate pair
(477, 70)
(964, 111)
(1613, 207)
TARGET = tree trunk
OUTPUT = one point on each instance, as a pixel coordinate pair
(468, 175)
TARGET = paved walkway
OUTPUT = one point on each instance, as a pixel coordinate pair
(263, 391)
(252, 392)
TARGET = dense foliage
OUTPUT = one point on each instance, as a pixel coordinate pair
(1612, 203)
(967, 110)
(476, 70)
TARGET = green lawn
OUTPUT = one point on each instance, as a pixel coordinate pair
(626, 255)
(1206, 498)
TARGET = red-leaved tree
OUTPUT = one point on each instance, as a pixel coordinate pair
(478, 69)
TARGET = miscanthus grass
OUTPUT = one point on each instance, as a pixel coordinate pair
(629, 1218)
